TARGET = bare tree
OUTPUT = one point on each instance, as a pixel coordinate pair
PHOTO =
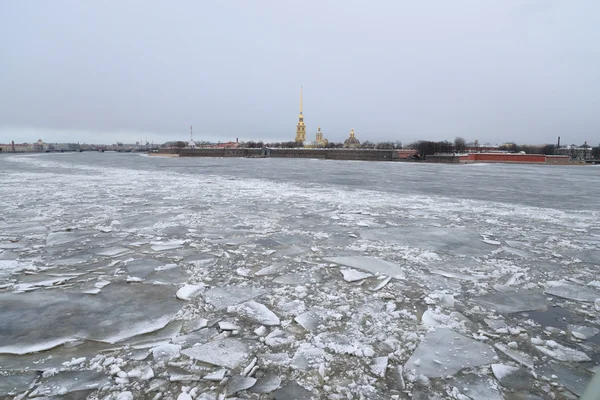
(460, 144)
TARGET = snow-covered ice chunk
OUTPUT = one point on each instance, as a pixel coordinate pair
(256, 312)
(127, 395)
(100, 284)
(238, 383)
(379, 366)
(495, 323)
(430, 318)
(352, 275)
(512, 302)
(382, 284)
(216, 376)
(188, 292)
(270, 270)
(370, 264)
(492, 242)
(228, 326)
(229, 296)
(445, 352)
(307, 357)
(563, 353)
(228, 353)
(571, 291)
(278, 338)
(309, 320)
(166, 352)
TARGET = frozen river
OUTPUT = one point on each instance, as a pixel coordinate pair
(124, 276)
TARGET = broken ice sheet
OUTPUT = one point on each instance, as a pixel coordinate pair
(456, 241)
(583, 332)
(221, 298)
(520, 357)
(571, 291)
(512, 377)
(266, 384)
(309, 320)
(573, 379)
(563, 353)
(228, 353)
(13, 382)
(238, 383)
(28, 320)
(477, 387)
(307, 356)
(512, 302)
(370, 264)
(445, 352)
(72, 381)
(112, 251)
(352, 275)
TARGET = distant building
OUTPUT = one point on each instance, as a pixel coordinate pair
(583, 152)
(301, 128)
(352, 142)
(320, 141)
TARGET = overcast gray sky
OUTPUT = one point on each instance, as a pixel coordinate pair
(494, 70)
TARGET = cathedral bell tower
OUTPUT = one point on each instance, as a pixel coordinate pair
(300, 128)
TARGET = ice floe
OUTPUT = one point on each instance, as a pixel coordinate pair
(229, 352)
(445, 352)
(370, 264)
(571, 291)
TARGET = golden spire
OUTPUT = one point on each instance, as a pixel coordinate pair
(300, 99)
(300, 128)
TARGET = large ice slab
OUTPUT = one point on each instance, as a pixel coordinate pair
(29, 320)
(512, 302)
(571, 291)
(15, 382)
(457, 241)
(445, 352)
(370, 264)
(229, 352)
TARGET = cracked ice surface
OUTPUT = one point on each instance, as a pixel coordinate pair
(125, 276)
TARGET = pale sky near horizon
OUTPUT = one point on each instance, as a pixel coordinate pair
(100, 72)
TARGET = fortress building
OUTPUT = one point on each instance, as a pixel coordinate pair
(319, 141)
(301, 128)
(351, 142)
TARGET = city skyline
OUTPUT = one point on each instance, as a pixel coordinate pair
(521, 71)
